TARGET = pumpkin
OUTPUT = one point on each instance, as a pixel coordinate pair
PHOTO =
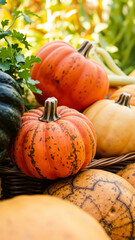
(68, 75)
(114, 125)
(45, 217)
(130, 89)
(109, 198)
(11, 109)
(111, 90)
(128, 173)
(53, 142)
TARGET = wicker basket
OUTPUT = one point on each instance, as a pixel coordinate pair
(14, 183)
(113, 164)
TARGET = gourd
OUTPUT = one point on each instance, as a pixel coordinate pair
(53, 142)
(130, 89)
(109, 198)
(128, 173)
(11, 110)
(45, 217)
(114, 125)
(67, 74)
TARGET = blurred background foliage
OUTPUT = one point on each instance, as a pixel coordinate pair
(111, 23)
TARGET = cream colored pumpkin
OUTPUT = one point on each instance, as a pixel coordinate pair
(114, 123)
(40, 217)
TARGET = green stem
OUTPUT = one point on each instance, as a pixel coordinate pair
(7, 42)
(12, 23)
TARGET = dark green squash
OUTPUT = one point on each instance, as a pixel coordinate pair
(11, 110)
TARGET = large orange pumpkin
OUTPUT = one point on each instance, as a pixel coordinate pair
(41, 217)
(53, 142)
(68, 75)
(109, 198)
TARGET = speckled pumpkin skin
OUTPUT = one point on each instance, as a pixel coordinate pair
(46, 218)
(106, 196)
(66, 74)
(53, 149)
(128, 173)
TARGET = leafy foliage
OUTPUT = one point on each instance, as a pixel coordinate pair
(12, 60)
(120, 33)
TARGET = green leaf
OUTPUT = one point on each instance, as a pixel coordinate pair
(30, 60)
(21, 38)
(4, 23)
(4, 34)
(20, 58)
(24, 74)
(34, 89)
(4, 66)
(3, 2)
(6, 53)
(28, 12)
(27, 18)
(16, 13)
(33, 82)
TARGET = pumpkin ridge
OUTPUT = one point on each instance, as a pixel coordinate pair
(19, 159)
(62, 129)
(32, 150)
(48, 63)
(68, 68)
(75, 162)
(48, 151)
(91, 137)
(8, 114)
(9, 95)
(7, 79)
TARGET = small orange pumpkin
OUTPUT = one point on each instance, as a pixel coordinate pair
(53, 142)
(130, 89)
(67, 74)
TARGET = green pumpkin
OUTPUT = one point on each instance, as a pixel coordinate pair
(11, 110)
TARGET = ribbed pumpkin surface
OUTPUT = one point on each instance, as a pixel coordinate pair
(56, 148)
(68, 75)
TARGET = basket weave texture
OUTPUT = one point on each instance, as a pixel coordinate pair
(14, 183)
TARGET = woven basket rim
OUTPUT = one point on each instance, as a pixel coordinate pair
(104, 162)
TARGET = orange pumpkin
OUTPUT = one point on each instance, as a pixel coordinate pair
(53, 142)
(41, 217)
(68, 75)
(109, 198)
(128, 173)
(130, 89)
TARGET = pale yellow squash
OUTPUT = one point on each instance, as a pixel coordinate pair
(114, 123)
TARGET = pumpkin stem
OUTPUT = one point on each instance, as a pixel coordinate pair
(124, 99)
(85, 48)
(50, 110)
